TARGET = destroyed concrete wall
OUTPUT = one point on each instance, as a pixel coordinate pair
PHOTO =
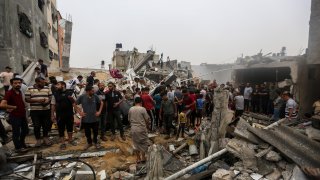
(314, 35)
(65, 66)
(309, 76)
(223, 72)
(17, 48)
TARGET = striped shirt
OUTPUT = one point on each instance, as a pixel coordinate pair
(34, 93)
(291, 104)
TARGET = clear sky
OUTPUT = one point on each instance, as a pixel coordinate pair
(212, 31)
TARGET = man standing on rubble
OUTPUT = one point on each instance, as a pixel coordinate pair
(7, 75)
(247, 96)
(148, 104)
(90, 79)
(62, 104)
(14, 103)
(39, 97)
(291, 107)
(91, 110)
(113, 100)
(103, 116)
(264, 97)
(169, 111)
(139, 120)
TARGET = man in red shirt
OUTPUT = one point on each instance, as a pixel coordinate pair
(148, 103)
(189, 105)
(13, 102)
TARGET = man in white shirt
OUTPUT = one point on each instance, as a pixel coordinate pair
(239, 103)
(6, 75)
(247, 96)
(291, 107)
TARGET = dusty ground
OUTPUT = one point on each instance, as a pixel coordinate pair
(111, 162)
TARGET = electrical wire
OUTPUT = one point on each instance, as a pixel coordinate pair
(49, 161)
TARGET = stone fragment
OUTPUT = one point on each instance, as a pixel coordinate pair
(273, 156)
(222, 174)
(275, 175)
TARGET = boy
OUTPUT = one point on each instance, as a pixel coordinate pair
(182, 120)
(200, 103)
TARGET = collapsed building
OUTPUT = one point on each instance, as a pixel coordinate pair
(149, 65)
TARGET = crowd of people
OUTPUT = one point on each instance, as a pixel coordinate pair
(103, 107)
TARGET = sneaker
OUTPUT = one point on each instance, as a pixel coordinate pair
(63, 146)
(123, 137)
(104, 138)
(113, 137)
(98, 146)
(87, 146)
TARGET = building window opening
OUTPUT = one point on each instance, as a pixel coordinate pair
(25, 25)
(43, 40)
(41, 4)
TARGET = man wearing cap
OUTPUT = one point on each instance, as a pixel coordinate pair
(14, 103)
(6, 75)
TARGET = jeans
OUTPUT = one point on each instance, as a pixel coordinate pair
(151, 115)
(276, 114)
(114, 118)
(87, 130)
(181, 129)
(103, 123)
(168, 122)
(40, 119)
(19, 131)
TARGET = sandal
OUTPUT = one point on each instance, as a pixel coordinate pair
(63, 146)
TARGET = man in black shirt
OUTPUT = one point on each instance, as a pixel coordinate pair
(264, 95)
(43, 68)
(90, 79)
(62, 104)
(113, 100)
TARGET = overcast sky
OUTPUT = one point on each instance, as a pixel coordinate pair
(212, 31)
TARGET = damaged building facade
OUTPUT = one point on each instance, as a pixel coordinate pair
(222, 73)
(23, 33)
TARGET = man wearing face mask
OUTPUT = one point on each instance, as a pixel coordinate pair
(13, 102)
(39, 97)
(62, 104)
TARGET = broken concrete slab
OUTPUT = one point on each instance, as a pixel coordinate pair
(276, 174)
(263, 152)
(242, 131)
(222, 174)
(313, 133)
(244, 151)
(273, 156)
(256, 176)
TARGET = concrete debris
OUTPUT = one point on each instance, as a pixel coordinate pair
(154, 163)
(256, 176)
(276, 174)
(222, 174)
(242, 131)
(313, 133)
(244, 151)
(123, 175)
(102, 174)
(297, 174)
(264, 152)
(273, 156)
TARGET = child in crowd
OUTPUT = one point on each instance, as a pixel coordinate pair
(182, 120)
(199, 103)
